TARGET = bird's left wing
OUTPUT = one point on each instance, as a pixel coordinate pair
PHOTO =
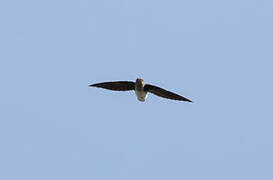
(116, 85)
(164, 93)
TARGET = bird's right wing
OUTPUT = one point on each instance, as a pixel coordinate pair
(164, 93)
(116, 86)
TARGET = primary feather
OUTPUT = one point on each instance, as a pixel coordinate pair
(116, 85)
(164, 93)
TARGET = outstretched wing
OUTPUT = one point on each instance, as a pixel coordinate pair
(164, 93)
(116, 86)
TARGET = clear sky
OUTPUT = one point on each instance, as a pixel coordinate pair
(217, 53)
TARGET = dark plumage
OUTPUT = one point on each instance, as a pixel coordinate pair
(140, 88)
(116, 86)
(164, 93)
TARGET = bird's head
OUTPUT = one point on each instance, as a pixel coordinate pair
(139, 83)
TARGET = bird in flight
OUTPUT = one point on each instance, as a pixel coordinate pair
(141, 89)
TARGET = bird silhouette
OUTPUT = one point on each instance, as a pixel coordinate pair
(141, 89)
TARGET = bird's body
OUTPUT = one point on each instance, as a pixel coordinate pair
(141, 95)
(141, 89)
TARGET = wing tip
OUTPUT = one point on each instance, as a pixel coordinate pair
(92, 85)
(188, 100)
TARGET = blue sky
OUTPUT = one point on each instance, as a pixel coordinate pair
(217, 53)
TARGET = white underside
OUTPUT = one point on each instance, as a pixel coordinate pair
(141, 95)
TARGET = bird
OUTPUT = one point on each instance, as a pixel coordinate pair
(141, 89)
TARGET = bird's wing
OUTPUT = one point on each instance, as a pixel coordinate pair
(116, 86)
(164, 93)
